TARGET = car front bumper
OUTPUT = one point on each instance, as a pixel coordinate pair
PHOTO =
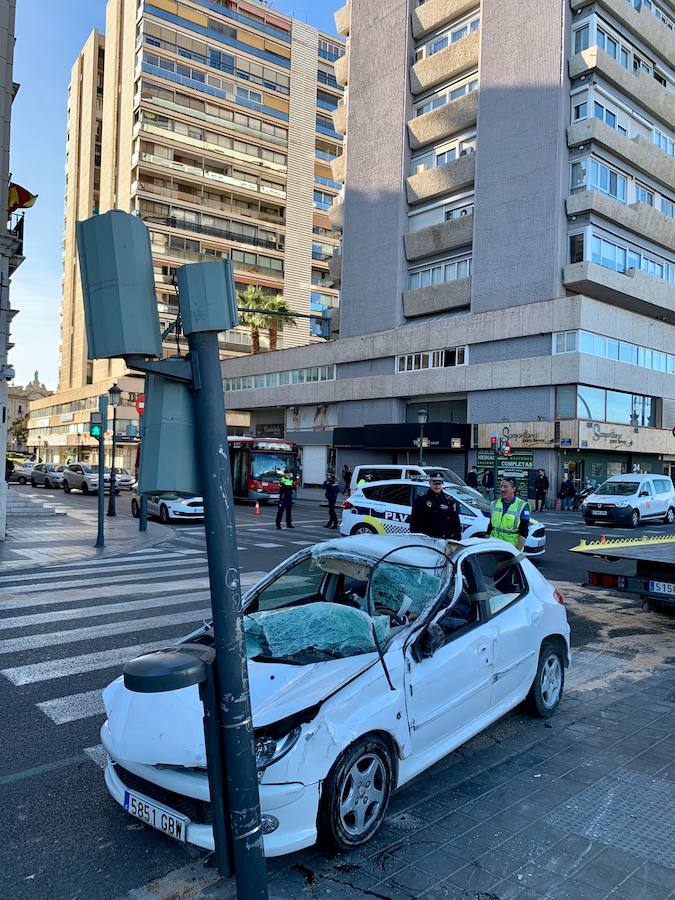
(294, 806)
(613, 514)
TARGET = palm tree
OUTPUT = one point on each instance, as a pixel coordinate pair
(254, 298)
(276, 323)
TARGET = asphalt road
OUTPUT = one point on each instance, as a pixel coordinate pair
(64, 632)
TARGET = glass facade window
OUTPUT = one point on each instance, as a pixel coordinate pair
(277, 379)
(607, 181)
(439, 273)
(446, 95)
(451, 36)
(605, 253)
(611, 348)
(581, 401)
(433, 359)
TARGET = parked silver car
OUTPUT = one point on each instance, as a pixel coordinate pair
(123, 479)
(47, 475)
(81, 477)
(21, 472)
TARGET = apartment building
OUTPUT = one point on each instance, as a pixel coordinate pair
(211, 120)
(508, 256)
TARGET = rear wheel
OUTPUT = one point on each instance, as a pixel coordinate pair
(547, 688)
(48, 483)
(635, 518)
(66, 487)
(85, 487)
(22, 479)
(135, 509)
(356, 794)
(164, 517)
(670, 516)
(33, 482)
(363, 528)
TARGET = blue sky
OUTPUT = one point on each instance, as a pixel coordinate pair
(49, 36)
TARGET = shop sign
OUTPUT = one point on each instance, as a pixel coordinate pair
(520, 434)
(516, 466)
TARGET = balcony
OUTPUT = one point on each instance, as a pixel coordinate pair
(446, 64)
(335, 267)
(456, 116)
(642, 23)
(206, 202)
(633, 291)
(435, 13)
(450, 235)
(343, 18)
(336, 213)
(338, 168)
(639, 152)
(453, 176)
(342, 68)
(225, 235)
(643, 87)
(639, 218)
(340, 117)
(15, 242)
(437, 299)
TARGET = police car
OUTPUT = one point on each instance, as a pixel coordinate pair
(383, 507)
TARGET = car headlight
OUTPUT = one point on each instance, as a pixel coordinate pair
(584, 504)
(622, 503)
(269, 750)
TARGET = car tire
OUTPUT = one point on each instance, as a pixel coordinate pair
(164, 516)
(669, 517)
(549, 682)
(66, 487)
(589, 521)
(33, 482)
(351, 810)
(85, 487)
(634, 520)
(21, 479)
(363, 528)
(135, 509)
(47, 484)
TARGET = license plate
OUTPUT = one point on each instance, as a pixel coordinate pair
(156, 815)
(662, 587)
(599, 512)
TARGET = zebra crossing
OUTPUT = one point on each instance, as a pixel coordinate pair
(67, 630)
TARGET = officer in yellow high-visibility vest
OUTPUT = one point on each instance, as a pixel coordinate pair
(510, 516)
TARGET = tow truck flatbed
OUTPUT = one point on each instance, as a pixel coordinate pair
(654, 559)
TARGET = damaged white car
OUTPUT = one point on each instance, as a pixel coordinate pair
(370, 658)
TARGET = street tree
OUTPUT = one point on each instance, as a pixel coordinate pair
(19, 430)
(271, 314)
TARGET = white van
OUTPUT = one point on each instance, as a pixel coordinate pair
(631, 498)
(406, 472)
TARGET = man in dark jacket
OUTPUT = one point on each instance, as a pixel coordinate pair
(472, 478)
(567, 493)
(286, 488)
(541, 485)
(435, 514)
(331, 489)
(488, 481)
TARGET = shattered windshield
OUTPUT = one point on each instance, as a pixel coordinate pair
(325, 608)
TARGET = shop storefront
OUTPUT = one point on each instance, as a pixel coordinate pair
(443, 444)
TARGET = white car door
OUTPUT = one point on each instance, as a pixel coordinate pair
(396, 506)
(450, 689)
(517, 614)
(646, 502)
(659, 504)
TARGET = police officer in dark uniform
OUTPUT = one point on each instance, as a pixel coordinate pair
(435, 514)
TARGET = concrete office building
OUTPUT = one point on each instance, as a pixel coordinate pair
(508, 259)
(210, 119)
(11, 232)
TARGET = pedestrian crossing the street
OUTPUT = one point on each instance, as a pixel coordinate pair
(67, 630)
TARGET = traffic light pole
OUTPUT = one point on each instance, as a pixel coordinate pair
(100, 539)
(236, 721)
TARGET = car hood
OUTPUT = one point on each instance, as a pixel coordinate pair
(167, 727)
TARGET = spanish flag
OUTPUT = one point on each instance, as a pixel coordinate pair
(19, 198)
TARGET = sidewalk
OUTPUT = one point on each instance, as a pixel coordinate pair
(69, 537)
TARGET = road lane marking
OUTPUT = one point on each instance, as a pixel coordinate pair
(120, 566)
(97, 754)
(175, 568)
(78, 665)
(73, 707)
(93, 632)
(106, 592)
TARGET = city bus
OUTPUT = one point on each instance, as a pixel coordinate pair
(257, 465)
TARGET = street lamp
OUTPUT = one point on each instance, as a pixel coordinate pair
(114, 395)
(422, 416)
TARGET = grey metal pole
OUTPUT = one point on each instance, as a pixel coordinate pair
(143, 514)
(101, 485)
(236, 722)
(100, 539)
(421, 443)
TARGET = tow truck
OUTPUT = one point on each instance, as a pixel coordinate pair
(654, 558)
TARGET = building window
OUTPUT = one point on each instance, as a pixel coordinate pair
(664, 142)
(322, 200)
(277, 379)
(432, 359)
(607, 181)
(446, 95)
(614, 349)
(580, 110)
(599, 405)
(451, 36)
(582, 38)
(607, 254)
(643, 195)
(668, 207)
(576, 248)
(441, 272)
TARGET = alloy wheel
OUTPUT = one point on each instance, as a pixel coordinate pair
(363, 794)
(551, 680)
